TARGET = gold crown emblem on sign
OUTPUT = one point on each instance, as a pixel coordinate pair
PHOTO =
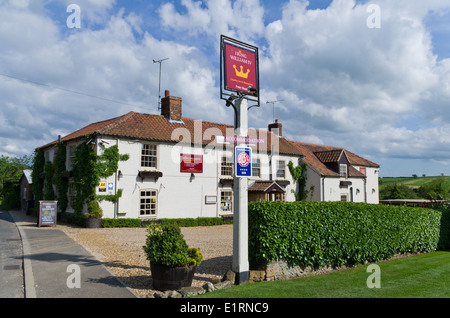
(241, 73)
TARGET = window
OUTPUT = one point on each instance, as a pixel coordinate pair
(149, 200)
(343, 170)
(281, 169)
(256, 168)
(344, 197)
(226, 167)
(71, 156)
(226, 202)
(148, 156)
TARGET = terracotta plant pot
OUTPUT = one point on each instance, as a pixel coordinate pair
(93, 223)
(171, 278)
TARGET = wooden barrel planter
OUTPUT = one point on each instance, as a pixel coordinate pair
(171, 278)
(93, 223)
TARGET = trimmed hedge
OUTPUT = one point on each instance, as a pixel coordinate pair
(125, 222)
(189, 222)
(339, 233)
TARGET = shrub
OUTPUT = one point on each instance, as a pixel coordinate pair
(94, 210)
(338, 233)
(165, 245)
(195, 255)
(77, 219)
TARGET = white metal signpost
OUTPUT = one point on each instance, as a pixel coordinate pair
(240, 76)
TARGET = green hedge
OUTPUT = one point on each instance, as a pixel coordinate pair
(339, 233)
(189, 222)
(125, 222)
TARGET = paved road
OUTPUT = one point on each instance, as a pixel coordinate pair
(37, 262)
(11, 259)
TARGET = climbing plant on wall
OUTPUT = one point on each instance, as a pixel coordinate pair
(38, 181)
(298, 173)
(62, 184)
(87, 169)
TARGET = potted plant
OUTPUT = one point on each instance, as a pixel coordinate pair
(172, 262)
(94, 215)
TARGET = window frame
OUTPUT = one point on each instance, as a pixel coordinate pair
(226, 162)
(149, 197)
(281, 168)
(231, 201)
(343, 170)
(145, 157)
(256, 165)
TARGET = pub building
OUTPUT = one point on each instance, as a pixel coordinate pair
(184, 168)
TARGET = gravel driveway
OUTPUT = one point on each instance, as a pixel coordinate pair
(120, 250)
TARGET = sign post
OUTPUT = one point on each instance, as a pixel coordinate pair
(239, 84)
(240, 263)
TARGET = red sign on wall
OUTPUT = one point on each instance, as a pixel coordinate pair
(191, 163)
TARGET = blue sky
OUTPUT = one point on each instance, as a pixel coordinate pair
(382, 92)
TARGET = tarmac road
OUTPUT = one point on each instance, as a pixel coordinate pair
(11, 259)
(46, 263)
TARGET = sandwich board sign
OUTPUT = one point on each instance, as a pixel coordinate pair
(47, 213)
(243, 162)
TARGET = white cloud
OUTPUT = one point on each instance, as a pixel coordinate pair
(241, 18)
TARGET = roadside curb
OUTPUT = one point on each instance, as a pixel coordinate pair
(28, 277)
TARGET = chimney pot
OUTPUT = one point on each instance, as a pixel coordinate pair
(167, 93)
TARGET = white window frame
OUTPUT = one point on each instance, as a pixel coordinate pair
(146, 201)
(343, 170)
(226, 163)
(256, 165)
(147, 157)
(226, 200)
(281, 169)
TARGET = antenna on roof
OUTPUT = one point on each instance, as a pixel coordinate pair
(273, 105)
(159, 92)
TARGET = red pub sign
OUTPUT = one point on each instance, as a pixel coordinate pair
(191, 163)
(239, 68)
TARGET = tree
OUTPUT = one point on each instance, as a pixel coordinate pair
(11, 170)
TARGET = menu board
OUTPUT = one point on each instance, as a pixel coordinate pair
(47, 213)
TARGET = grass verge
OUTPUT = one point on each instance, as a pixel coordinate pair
(421, 276)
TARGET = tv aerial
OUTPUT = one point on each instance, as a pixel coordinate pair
(159, 91)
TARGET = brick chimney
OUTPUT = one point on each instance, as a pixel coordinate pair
(277, 128)
(171, 107)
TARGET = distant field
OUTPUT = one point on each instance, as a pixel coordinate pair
(411, 181)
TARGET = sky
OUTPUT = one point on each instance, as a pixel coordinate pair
(369, 76)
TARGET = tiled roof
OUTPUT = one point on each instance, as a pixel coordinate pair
(265, 186)
(313, 153)
(329, 156)
(148, 127)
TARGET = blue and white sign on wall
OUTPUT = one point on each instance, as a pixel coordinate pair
(243, 159)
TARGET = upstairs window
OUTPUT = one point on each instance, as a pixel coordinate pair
(281, 169)
(343, 172)
(256, 168)
(148, 156)
(226, 167)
